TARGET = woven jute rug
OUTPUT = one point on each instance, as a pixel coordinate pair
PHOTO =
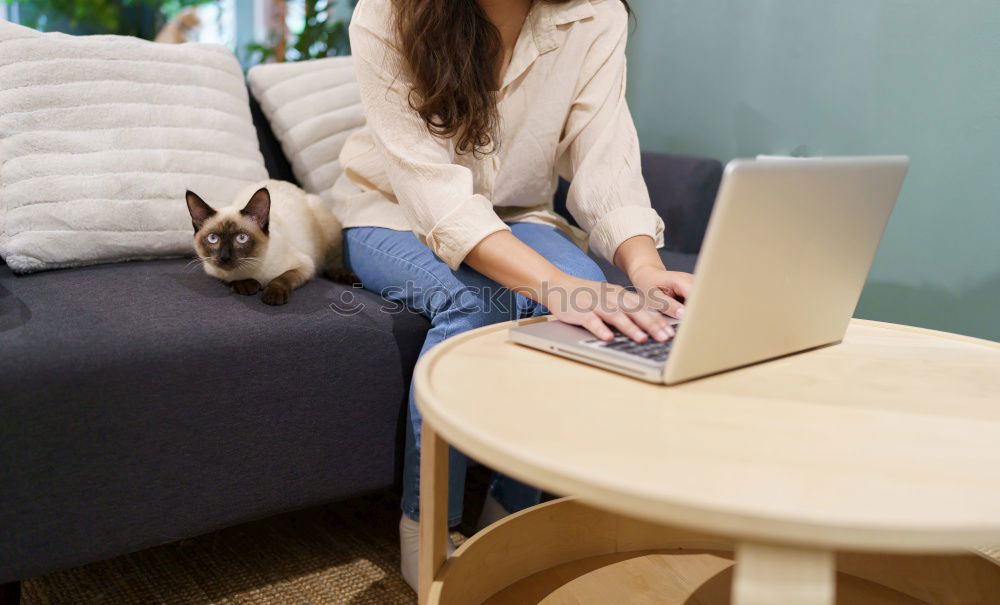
(343, 553)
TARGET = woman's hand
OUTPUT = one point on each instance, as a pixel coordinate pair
(663, 290)
(597, 305)
(592, 305)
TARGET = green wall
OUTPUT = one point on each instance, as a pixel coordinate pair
(735, 78)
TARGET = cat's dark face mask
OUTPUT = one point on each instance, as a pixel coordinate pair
(230, 241)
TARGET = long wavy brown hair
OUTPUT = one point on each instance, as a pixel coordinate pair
(451, 50)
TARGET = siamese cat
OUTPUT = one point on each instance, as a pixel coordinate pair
(277, 240)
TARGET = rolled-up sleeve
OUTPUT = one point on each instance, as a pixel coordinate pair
(599, 152)
(436, 195)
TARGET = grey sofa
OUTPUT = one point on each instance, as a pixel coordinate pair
(142, 403)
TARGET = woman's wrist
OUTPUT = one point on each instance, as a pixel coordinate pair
(639, 273)
(556, 289)
(638, 255)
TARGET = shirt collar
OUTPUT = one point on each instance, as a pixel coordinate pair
(568, 12)
(545, 17)
(538, 36)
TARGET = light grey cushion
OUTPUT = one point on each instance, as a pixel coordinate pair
(312, 107)
(101, 135)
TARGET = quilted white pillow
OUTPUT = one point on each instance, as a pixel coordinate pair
(101, 135)
(312, 107)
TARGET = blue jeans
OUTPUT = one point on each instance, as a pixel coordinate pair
(398, 266)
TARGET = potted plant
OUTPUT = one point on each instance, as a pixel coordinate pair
(323, 32)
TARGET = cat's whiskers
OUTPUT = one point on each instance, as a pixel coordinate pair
(197, 261)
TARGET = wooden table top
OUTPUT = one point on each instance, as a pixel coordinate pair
(888, 441)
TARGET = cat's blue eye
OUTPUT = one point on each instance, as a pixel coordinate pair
(242, 238)
(212, 238)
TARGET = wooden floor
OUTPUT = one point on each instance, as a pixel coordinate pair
(661, 577)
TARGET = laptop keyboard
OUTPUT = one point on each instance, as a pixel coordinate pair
(652, 350)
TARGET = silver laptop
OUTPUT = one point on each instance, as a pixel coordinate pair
(788, 247)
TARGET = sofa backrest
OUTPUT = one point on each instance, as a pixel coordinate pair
(277, 164)
(682, 190)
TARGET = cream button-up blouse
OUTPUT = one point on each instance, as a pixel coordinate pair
(563, 113)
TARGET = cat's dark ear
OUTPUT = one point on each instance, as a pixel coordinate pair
(259, 208)
(199, 210)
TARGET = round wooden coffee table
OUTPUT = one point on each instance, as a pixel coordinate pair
(878, 458)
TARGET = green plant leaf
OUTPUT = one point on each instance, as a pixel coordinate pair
(320, 35)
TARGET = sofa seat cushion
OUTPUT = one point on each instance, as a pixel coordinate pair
(143, 402)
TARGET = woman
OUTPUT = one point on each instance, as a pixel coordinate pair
(473, 108)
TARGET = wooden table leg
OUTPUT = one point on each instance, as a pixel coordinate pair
(433, 507)
(767, 574)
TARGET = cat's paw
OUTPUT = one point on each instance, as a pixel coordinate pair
(343, 276)
(276, 294)
(246, 287)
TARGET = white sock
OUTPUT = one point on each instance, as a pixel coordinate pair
(493, 511)
(409, 550)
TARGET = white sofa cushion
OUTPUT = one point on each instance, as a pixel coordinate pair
(101, 135)
(312, 107)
